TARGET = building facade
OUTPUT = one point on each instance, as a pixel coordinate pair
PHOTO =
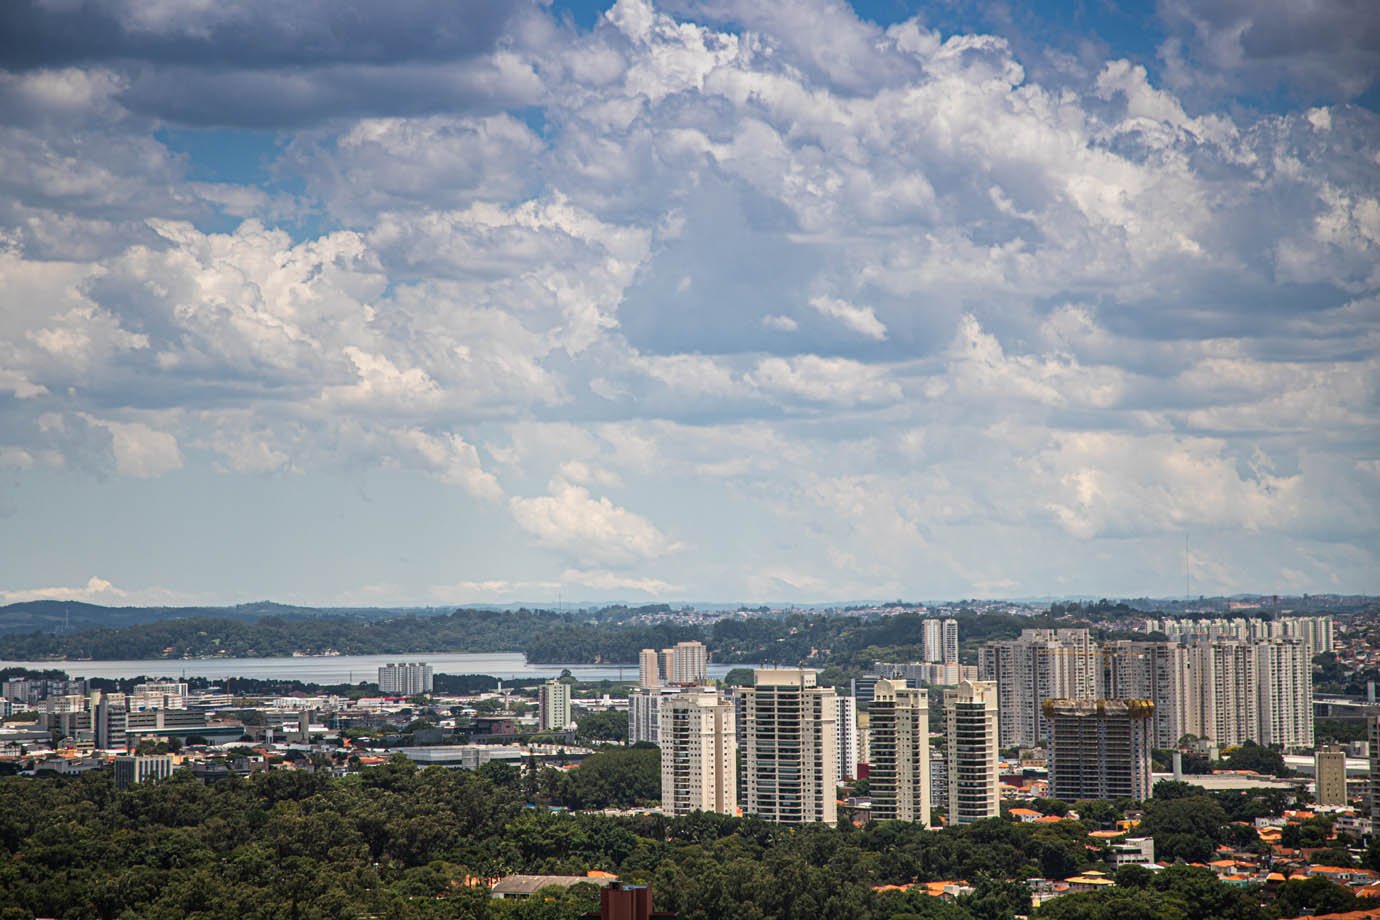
(1329, 771)
(1099, 749)
(899, 740)
(553, 706)
(972, 755)
(698, 753)
(790, 747)
(405, 679)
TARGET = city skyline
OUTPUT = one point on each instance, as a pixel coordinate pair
(441, 304)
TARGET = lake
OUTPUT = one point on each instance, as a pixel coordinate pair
(341, 669)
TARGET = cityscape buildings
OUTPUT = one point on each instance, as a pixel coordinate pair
(685, 664)
(1041, 664)
(789, 746)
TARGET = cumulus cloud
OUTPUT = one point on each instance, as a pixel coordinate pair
(590, 529)
(840, 296)
(98, 590)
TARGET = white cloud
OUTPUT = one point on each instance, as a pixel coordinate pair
(862, 320)
(833, 381)
(141, 451)
(98, 590)
(589, 529)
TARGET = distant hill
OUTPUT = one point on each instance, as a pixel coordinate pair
(75, 616)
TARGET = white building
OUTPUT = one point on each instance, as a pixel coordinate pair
(971, 752)
(158, 694)
(1042, 664)
(405, 679)
(790, 747)
(698, 753)
(130, 769)
(848, 738)
(553, 703)
(899, 738)
(644, 713)
(686, 664)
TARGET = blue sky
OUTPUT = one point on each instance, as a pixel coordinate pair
(706, 299)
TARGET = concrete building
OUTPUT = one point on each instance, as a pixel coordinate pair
(1284, 695)
(685, 665)
(790, 747)
(405, 679)
(1329, 772)
(941, 641)
(1042, 664)
(848, 738)
(553, 705)
(130, 769)
(648, 669)
(157, 694)
(971, 751)
(1099, 749)
(698, 753)
(644, 713)
(899, 730)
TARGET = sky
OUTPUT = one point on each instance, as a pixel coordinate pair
(437, 302)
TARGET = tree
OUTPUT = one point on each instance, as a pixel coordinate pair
(1257, 757)
(1314, 895)
(1187, 828)
(601, 727)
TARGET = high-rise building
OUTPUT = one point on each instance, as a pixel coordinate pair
(689, 663)
(1219, 687)
(971, 752)
(553, 706)
(1042, 664)
(848, 738)
(949, 642)
(648, 669)
(1099, 749)
(107, 723)
(1329, 769)
(899, 730)
(698, 753)
(405, 679)
(644, 713)
(790, 747)
(933, 644)
(1284, 674)
(686, 664)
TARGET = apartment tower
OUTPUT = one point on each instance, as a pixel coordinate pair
(972, 754)
(899, 729)
(790, 747)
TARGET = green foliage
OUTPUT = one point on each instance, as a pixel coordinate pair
(1257, 757)
(1313, 896)
(398, 842)
(602, 727)
(1187, 827)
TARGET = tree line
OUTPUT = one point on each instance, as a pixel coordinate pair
(400, 842)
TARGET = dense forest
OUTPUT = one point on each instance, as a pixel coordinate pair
(398, 842)
(849, 642)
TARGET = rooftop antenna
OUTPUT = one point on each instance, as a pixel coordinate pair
(1188, 593)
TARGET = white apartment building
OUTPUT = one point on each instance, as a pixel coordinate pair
(790, 747)
(899, 737)
(972, 755)
(648, 669)
(644, 713)
(1042, 664)
(848, 738)
(553, 705)
(405, 679)
(698, 753)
